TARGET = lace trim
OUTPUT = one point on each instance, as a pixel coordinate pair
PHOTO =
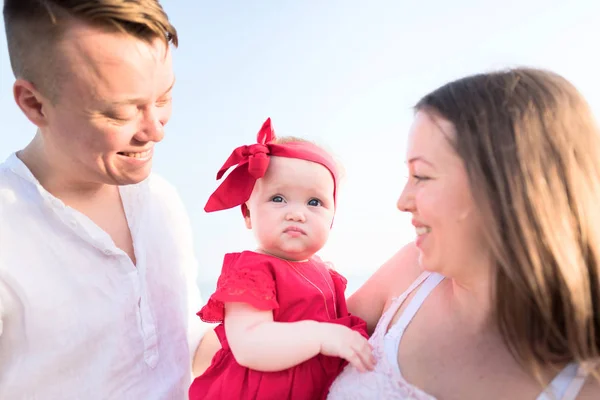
(250, 285)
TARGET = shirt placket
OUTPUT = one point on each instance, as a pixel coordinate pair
(146, 322)
(98, 238)
(134, 207)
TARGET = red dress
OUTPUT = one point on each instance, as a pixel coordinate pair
(270, 283)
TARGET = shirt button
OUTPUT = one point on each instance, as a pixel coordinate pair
(73, 223)
(107, 252)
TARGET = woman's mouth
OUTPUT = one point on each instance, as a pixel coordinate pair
(422, 230)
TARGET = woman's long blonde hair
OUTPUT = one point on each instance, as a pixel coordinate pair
(531, 149)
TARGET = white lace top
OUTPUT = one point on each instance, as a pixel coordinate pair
(386, 380)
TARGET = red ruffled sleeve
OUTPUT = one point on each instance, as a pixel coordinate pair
(336, 276)
(245, 278)
(339, 283)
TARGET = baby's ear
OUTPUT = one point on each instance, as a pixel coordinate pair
(247, 219)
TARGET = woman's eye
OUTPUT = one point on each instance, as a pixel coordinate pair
(420, 178)
(314, 202)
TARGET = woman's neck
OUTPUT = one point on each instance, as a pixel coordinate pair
(470, 299)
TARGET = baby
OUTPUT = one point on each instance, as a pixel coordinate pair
(285, 330)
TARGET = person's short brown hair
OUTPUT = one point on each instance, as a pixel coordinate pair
(33, 27)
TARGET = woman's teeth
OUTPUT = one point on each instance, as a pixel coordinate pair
(422, 230)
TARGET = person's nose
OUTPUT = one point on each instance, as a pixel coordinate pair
(295, 214)
(152, 127)
(406, 201)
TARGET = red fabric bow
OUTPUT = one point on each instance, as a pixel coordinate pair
(251, 163)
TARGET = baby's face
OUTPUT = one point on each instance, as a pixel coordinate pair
(292, 208)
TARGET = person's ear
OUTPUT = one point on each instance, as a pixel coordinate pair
(247, 219)
(31, 102)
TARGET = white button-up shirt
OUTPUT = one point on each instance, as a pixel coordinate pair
(78, 320)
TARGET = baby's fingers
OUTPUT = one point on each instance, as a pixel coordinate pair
(365, 353)
(357, 362)
(360, 354)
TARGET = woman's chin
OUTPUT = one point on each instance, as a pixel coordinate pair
(426, 264)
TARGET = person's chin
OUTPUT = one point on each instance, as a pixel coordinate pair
(131, 178)
(426, 263)
(136, 175)
(294, 252)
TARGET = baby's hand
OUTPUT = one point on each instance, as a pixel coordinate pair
(341, 341)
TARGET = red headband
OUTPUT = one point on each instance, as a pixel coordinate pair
(251, 164)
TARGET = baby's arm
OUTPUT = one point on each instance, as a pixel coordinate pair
(257, 342)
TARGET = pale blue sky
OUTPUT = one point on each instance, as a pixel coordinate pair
(345, 74)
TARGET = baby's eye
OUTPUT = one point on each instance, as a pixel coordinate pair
(315, 202)
(277, 199)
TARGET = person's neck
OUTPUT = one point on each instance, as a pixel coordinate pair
(471, 299)
(54, 176)
(282, 257)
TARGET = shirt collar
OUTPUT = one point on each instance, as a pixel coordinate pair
(14, 163)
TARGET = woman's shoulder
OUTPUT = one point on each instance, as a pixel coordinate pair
(390, 280)
(400, 271)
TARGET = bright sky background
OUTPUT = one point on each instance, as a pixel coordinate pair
(344, 73)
